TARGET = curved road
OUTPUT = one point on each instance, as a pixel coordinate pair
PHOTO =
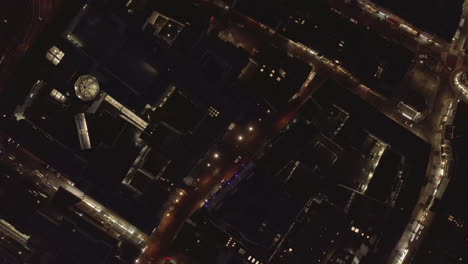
(173, 220)
(23, 21)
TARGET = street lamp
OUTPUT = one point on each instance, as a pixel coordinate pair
(240, 138)
(251, 128)
(216, 155)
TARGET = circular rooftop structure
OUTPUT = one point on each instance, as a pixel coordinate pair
(460, 83)
(87, 87)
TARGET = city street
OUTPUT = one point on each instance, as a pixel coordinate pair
(438, 170)
(322, 65)
(431, 130)
(246, 141)
(28, 25)
(391, 26)
(49, 181)
(436, 80)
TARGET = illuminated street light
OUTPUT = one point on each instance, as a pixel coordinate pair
(251, 128)
(168, 214)
(240, 138)
(208, 164)
(268, 111)
(216, 155)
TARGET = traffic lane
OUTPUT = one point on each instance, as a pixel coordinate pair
(308, 55)
(385, 28)
(13, 16)
(369, 95)
(386, 16)
(40, 13)
(291, 47)
(48, 181)
(295, 49)
(459, 43)
(271, 33)
(208, 178)
(305, 54)
(172, 221)
(432, 188)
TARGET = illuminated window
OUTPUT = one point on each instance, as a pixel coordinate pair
(213, 112)
(58, 96)
(55, 55)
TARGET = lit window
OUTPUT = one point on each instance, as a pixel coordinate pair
(55, 55)
(213, 112)
(58, 96)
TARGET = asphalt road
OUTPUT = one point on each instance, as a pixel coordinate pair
(444, 110)
(48, 180)
(389, 25)
(429, 131)
(239, 141)
(26, 20)
(41, 12)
